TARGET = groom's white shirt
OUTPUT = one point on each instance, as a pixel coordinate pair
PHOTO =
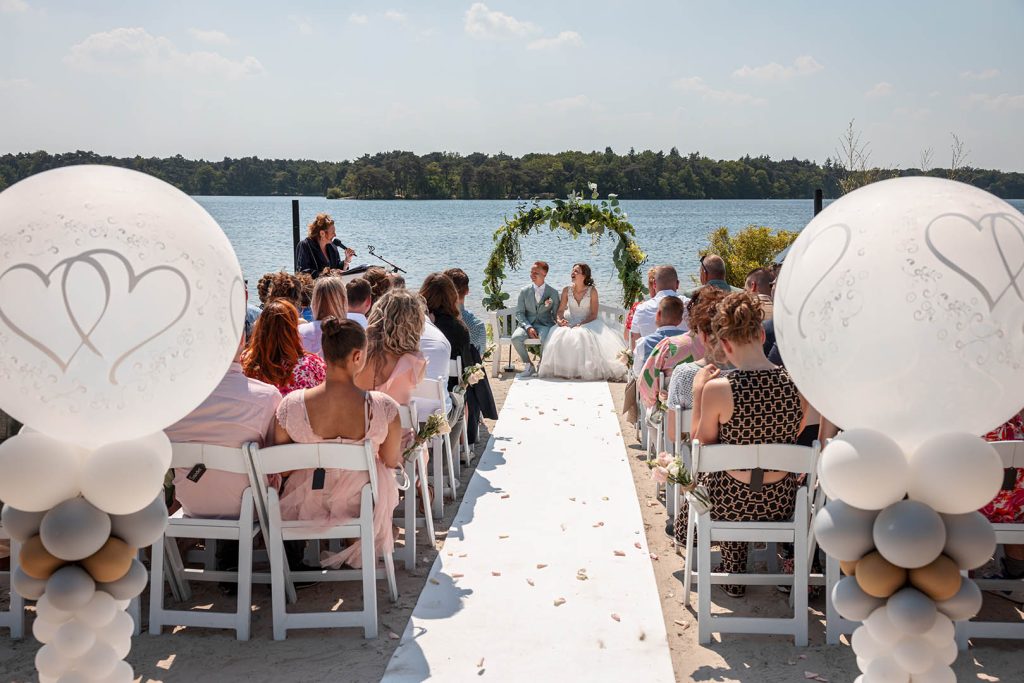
(538, 291)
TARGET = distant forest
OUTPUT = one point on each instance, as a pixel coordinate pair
(444, 175)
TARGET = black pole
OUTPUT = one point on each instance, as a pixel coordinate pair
(817, 202)
(295, 233)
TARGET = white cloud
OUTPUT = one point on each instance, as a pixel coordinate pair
(135, 50)
(696, 84)
(395, 15)
(211, 37)
(802, 66)
(358, 18)
(14, 83)
(879, 90)
(302, 24)
(565, 104)
(982, 75)
(563, 39)
(486, 24)
(1001, 102)
(918, 114)
(13, 6)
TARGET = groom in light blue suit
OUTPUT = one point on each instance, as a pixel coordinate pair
(535, 314)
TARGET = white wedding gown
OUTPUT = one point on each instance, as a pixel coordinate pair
(588, 352)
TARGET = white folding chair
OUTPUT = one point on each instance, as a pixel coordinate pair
(329, 456)
(504, 325)
(780, 457)
(12, 618)
(677, 442)
(1012, 454)
(243, 530)
(434, 391)
(418, 477)
(462, 438)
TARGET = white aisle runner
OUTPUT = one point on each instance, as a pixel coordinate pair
(545, 574)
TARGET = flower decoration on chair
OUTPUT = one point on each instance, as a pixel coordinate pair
(436, 425)
(670, 470)
(470, 376)
(577, 216)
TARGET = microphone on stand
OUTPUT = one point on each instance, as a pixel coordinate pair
(336, 242)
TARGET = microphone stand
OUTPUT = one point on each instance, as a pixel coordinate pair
(394, 268)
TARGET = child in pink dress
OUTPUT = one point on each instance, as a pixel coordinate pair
(337, 407)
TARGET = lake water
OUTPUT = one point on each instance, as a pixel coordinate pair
(425, 236)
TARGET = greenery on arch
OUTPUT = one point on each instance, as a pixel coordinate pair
(576, 216)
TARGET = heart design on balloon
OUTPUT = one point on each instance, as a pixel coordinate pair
(76, 315)
(994, 265)
(834, 253)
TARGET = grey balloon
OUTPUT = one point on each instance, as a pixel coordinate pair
(965, 604)
(25, 586)
(70, 588)
(21, 525)
(74, 529)
(843, 531)
(129, 585)
(143, 528)
(851, 602)
(909, 534)
(970, 539)
(911, 611)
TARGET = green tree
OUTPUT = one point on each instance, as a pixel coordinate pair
(755, 246)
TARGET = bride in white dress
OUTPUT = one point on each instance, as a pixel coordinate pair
(581, 346)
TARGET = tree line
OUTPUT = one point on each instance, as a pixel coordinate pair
(446, 175)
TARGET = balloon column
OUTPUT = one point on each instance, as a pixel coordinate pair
(121, 305)
(900, 314)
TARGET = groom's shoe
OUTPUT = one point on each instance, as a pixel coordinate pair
(530, 371)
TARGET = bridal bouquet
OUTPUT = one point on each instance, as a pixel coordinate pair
(666, 469)
(470, 376)
(436, 425)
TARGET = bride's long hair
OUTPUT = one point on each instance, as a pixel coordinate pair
(585, 272)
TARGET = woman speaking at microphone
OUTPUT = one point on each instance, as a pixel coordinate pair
(316, 253)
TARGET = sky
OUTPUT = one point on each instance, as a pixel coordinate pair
(336, 80)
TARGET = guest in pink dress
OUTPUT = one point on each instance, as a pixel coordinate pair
(394, 364)
(275, 353)
(340, 411)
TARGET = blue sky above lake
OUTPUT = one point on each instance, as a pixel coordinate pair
(335, 80)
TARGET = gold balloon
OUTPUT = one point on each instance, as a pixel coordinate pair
(878, 577)
(848, 568)
(36, 560)
(939, 580)
(110, 562)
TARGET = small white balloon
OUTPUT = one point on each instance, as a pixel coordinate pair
(862, 664)
(886, 670)
(46, 610)
(39, 471)
(909, 534)
(947, 653)
(121, 673)
(937, 674)
(99, 612)
(915, 654)
(73, 639)
(970, 539)
(850, 466)
(955, 473)
(49, 662)
(866, 647)
(98, 662)
(941, 632)
(75, 676)
(123, 477)
(44, 630)
(965, 604)
(881, 627)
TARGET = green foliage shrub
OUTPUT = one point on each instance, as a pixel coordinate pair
(755, 246)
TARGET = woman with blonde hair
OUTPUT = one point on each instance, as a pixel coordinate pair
(329, 300)
(317, 252)
(394, 364)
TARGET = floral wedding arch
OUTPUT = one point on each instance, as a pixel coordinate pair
(576, 216)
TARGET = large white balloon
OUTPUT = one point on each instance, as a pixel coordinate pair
(955, 473)
(121, 303)
(917, 283)
(38, 471)
(122, 477)
(850, 465)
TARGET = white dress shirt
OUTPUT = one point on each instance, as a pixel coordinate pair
(436, 348)
(644, 322)
(538, 291)
(358, 317)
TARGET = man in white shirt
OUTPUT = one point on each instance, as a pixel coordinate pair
(359, 299)
(436, 348)
(666, 282)
(669, 319)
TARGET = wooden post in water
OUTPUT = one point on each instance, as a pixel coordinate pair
(817, 201)
(295, 234)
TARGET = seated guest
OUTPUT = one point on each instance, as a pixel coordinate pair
(477, 328)
(628, 325)
(316, 252)
(666, 283)
(379, 281)
(436, 348)
(666, 355)
(756, 403)
(394, 364)
(759, 283)
(359, 300)
(712, 272)
(263, 288)
(397, 281)
(339, 411)
(275, 354)
(443, 305)
(305, 296)
(329, 299)
(252, 312)
(1008, 505)
(285, 286)
(680, 388)
(669, 319)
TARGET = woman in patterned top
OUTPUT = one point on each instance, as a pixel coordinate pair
(756, 403)
(275, 354)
